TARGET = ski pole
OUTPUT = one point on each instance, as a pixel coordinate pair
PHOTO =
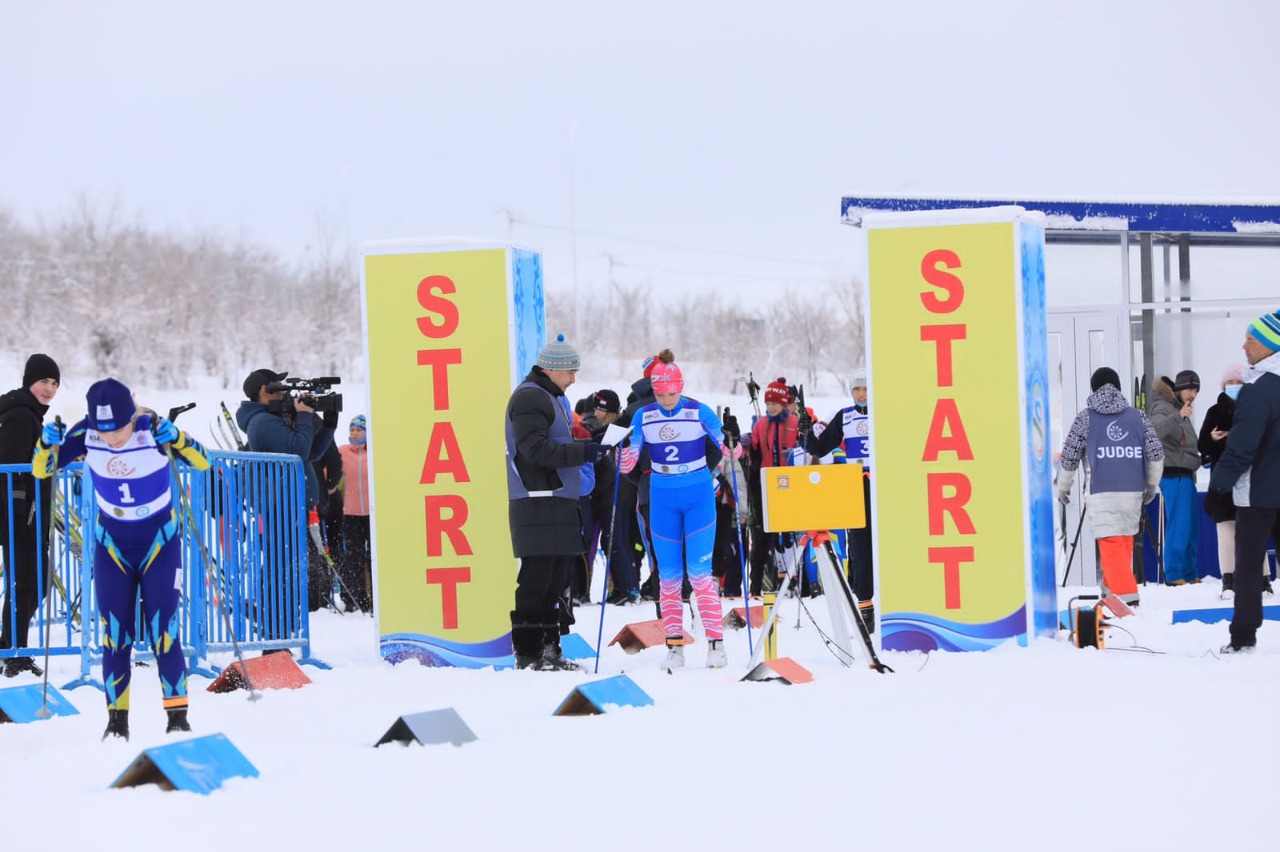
(731, 442)
(208, 567)
(1074, 542)
(231, 425)
(43, 712)
(608, 563)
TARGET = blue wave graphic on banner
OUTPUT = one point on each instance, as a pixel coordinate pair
(434, 651)
(913, 631)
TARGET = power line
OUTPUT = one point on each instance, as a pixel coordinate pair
(614, 262)
(663, 244)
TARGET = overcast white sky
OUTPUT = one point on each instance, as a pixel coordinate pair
(733, 126)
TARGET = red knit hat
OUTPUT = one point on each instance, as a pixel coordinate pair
(778, 392)
(666, 378)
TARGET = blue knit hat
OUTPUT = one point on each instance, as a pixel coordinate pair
(359, 422)
(110, 405)
(1266, 330)
(558, 355)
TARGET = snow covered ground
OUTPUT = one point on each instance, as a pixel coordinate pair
(1041, 747)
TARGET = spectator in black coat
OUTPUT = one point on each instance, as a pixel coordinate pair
(544, 482)
(22, 414)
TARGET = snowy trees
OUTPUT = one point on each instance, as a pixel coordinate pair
(108, 297)
(814, 338)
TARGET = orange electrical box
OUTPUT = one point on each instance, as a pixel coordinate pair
(813, 497)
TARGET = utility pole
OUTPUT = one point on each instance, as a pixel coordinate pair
(573, 233)
(510, 216)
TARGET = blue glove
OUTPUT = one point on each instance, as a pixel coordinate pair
(164, 430)
(53, 434)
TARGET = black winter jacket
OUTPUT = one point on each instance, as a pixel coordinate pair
(21, 419)
(1219, 416)
(542, 526)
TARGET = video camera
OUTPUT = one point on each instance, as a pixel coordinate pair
(316, 393)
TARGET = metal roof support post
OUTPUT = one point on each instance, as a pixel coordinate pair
(1148, 316)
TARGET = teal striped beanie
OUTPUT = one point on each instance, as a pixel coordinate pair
(1266, 330)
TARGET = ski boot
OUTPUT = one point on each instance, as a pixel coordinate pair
(17, 665)
(177, 721)
(554, 660)
(675, 658)
(716, 656)
(117, 724)
(867, 609)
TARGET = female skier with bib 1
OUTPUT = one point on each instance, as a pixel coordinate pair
(138, 550)
(682, 516)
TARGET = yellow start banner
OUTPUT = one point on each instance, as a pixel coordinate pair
(445, 333)
(950, 485)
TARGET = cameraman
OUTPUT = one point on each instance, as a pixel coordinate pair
(300, 432)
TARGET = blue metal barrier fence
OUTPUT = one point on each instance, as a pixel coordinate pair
(247, 513)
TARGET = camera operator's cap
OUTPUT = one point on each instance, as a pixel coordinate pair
(1186, 380)
(558, 355)
(257, 379)
(110, 405)
(607, 401)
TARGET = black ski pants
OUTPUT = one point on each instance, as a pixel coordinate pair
(23, 589)
(861, 569)
(1253, 527)
(542, 606)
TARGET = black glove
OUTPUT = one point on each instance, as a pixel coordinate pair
(732, 432)
(329, 419)
(591, 451)
(1219, 506)
(804, 423)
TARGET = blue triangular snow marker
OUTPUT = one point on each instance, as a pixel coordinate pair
(592, 698)
(1219, 613)
(430, 728)
(575, 647)
(22, 703)
(197, 765)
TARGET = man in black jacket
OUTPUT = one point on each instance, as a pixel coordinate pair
(1248, 472)
(22, 414)
(544, 477)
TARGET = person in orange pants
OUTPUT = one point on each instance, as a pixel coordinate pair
(1125, 460)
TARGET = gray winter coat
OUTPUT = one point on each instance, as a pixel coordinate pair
(1177, 433)
(1110, 512)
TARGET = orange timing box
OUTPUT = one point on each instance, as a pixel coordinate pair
(736, 618)
(782, 669)
(273, 671)
(813, 497)
(634, 638)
